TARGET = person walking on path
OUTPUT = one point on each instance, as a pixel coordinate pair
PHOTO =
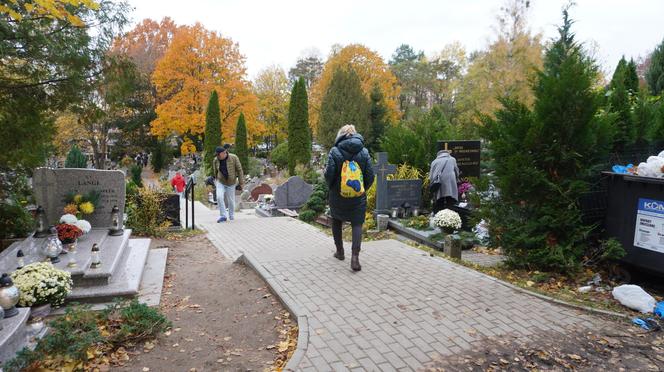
(443, 179)
(349, 174)
(227, 172)
(178, 183)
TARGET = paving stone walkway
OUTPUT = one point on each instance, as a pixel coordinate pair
(402, 311)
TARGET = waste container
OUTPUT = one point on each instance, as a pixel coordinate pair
(635, 217)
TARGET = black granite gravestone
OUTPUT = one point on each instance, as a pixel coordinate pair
(467, 155)
(382, 169)
(400, 192)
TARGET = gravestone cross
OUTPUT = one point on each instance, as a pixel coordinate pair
(382, 169)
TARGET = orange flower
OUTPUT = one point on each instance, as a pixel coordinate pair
(71, 209)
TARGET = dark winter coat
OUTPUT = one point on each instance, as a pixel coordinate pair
(348, 148)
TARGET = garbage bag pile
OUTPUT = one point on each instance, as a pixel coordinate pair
(652, 167)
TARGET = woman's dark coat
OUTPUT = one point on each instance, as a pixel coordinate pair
(348, 148)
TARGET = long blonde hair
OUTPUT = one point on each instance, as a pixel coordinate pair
(346, 131)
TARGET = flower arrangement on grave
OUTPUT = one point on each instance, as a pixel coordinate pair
(464, 186)
(268, 198)
(68, 233)
(81, 204)
(41, 283)
(447, 220)
(418, 223)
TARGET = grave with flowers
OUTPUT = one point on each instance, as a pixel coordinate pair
(80, 252)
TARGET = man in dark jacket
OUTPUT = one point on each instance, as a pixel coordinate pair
(348, 146)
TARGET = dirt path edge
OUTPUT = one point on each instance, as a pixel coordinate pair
(288, 302)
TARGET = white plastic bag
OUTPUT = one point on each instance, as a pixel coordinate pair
(634, 297)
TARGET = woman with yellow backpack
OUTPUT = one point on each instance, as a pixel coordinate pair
(349, 174)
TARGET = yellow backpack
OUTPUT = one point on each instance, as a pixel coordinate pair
(352, 180)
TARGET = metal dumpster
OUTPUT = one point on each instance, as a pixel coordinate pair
(635, 216)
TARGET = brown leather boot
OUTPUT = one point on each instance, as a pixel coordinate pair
(355, 261)
(339, 254)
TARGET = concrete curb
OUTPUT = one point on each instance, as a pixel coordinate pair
(535, 294)
(285, 298)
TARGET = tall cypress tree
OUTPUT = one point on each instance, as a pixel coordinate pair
(299, 133)
(241, 149)
(632, 77)
(212, 137)
(620, 103)
(378, 118)
(343, 103)
(655, 73)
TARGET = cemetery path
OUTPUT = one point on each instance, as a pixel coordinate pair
(404, 311)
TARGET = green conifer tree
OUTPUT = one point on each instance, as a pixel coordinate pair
(75, 158)
(241, 149)
(378, 118)
(655, 72)
(343, 103)
(619, 101)
(299, 132)
(212, 137)
(536, 219)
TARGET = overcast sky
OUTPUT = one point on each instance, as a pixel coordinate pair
(279, 31)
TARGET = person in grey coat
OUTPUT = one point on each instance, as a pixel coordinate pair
(443, 179)
(349, 145)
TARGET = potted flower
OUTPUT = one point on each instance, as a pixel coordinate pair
(68, 233)
(447, 220)
(464, 187)
(42, 286)
(84, 226)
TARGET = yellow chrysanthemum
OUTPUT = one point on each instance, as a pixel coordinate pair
(87, 207)
(71, 209)
(78, 198)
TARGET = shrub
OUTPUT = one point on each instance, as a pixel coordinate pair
(255, 168)
(75, 158)
(308, 174)
(131, 190)
(162, 154)
(135, 172)
(418, 223)
(415, 142)
(299, 132)
(279, 156)
(83, 338)
(15, 220)
(308, 215)
(241, 149)
(213, 136)
(145, 215)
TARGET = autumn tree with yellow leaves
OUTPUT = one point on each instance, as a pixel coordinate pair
(271, 87)
(197, 62)
(371, 70)
(505, 69)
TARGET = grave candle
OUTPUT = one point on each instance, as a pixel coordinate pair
(116, 222)
(20, 262)
(96, 262)
(42, 230)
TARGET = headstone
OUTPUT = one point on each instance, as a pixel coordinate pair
(467, 155)
(400, 192)
(382, 170)
(51, 187)
(262, 189)
(292, 194)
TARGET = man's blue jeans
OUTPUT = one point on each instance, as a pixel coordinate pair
(224, 194)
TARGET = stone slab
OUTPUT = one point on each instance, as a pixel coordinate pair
(124, 283)
(13, 336)
(400, 192)
(52, 185)
(152, 283)
(153, 276)
(292, 194)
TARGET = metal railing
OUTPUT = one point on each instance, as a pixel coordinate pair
(189, 192)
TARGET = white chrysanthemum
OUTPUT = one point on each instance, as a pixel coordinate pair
(447, 219)
(68, 218)
(83, 225)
